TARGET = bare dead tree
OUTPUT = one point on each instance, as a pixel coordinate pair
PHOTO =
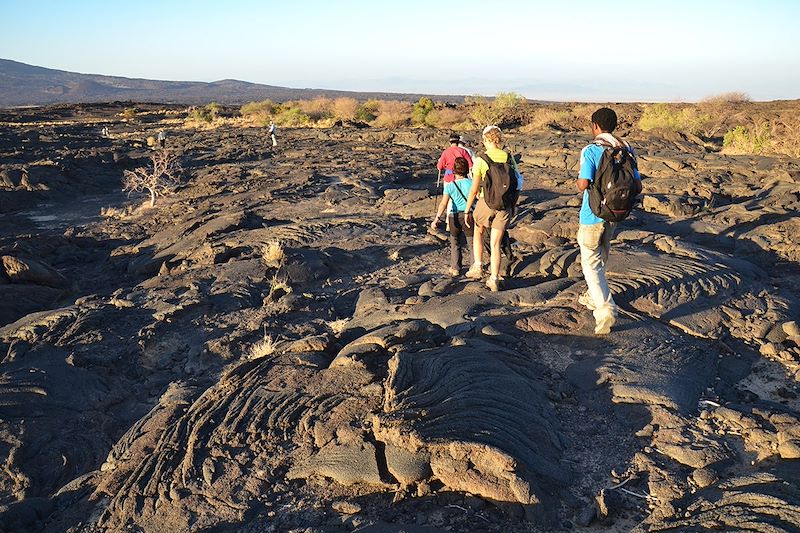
(160, 177)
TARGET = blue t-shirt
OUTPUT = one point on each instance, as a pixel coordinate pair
(459, 196)
(590, 160)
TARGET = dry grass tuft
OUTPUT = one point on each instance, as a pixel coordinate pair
(265, 347)
(338, 326)
(273, 253)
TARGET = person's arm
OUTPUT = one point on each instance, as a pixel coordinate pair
(636, 172)
(473, 193)
(520, 178)
(587, 170)
(440, 210)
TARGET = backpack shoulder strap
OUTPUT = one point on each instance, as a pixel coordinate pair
(461, 194)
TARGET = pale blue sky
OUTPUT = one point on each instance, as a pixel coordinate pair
(573, 49)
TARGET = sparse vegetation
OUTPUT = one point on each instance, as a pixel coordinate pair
(279, 286)
(205, 114)
(742, 140)
(668, 117)
(421, 110)
(449, 118)
(318, 109)
(258, 113)
(543, 118)
(338, 326)
(273, 253)
(345, 108)
(128, 113)
(484, 112)
(393, 114)
(291, 117)
(159, 178)
(726, 98)
(264, 348)
(368, 111)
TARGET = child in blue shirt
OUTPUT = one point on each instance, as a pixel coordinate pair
(457, 191)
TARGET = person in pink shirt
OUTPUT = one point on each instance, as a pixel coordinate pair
(448, 157)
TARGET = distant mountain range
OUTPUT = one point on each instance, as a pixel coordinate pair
(22, 84)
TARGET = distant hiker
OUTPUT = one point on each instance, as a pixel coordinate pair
(496, 183)
(610, 181)
(272, 131)
(105, 131)
(448, 157)
(162, 138)
(455, 201)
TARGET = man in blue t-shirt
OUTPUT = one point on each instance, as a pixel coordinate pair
(594, 233)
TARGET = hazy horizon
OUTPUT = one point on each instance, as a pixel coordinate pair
(543, 51)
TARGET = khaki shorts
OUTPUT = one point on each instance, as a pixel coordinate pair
(487, 217)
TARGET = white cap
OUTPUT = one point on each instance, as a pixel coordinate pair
(489, 128)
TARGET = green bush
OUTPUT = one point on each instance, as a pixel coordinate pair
(421, 110)
(368, 111)
(291, 117)
(505, 101)
(483, 112)
(257, 109)
(663, 116)
(746, 141)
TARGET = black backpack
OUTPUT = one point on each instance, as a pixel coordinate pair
(612, 193)
(500, 184)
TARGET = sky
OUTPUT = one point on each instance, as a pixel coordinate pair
(564, 50)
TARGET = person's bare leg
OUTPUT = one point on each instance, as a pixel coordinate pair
(495, 237)
(476, 270)
(477, 245)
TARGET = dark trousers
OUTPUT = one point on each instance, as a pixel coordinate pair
(457, 229)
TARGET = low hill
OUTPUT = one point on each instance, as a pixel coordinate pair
(22, 84)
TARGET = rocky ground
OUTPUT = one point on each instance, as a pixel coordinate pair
(277, 346)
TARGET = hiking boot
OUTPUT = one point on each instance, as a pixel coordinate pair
(453, 272)
(603, 326)
(585, 300)
(493, 284)
(475, 271)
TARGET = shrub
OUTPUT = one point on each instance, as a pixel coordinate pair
(393, 114)
(259, 112)
(505, 101)
(481, 111)
(214, 109)
(205, 114)
(421, 110)
(726, 98)
(128, 113)
(742, 140)
(159, 178)
(291, 117)
(319, 108)
(663, 116)
(448, 118)
(345, 108)
(543, 118)
(368, 111)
